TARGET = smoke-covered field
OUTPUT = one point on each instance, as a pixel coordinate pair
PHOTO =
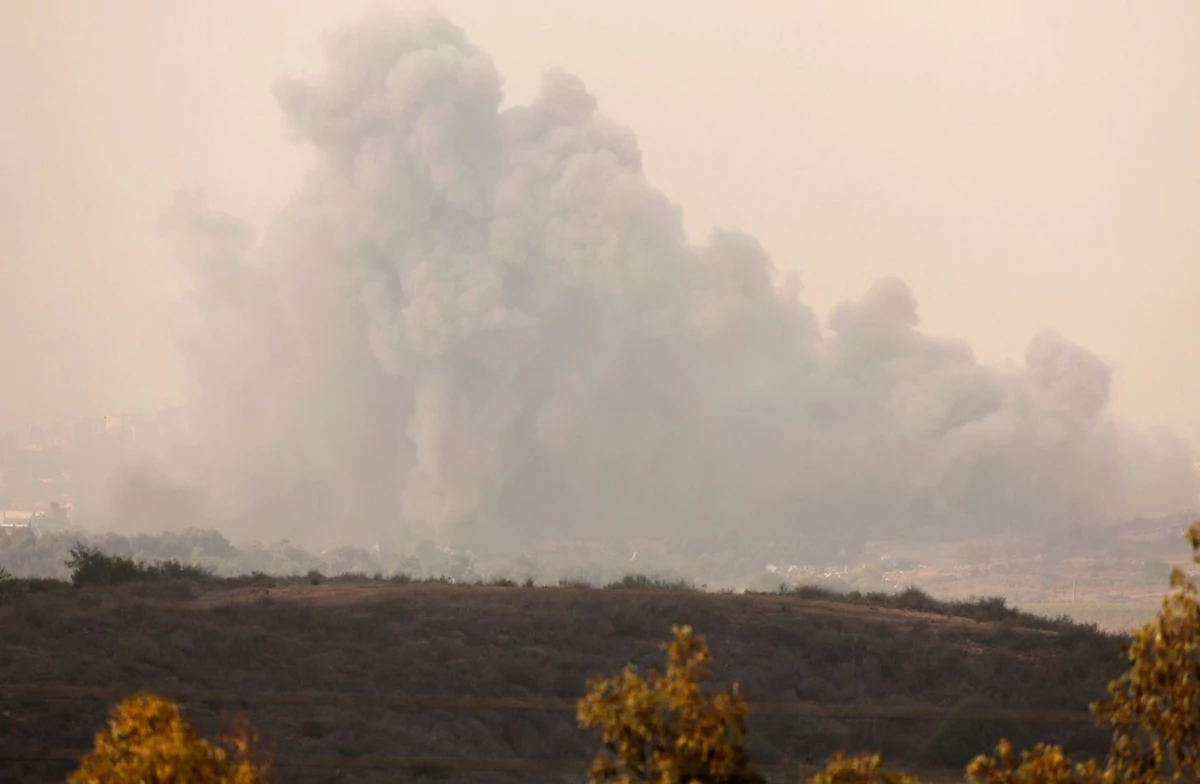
(484, 327)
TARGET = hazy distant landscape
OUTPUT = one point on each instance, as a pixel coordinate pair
(481, 330)
(1109, 574)
(1111, 577)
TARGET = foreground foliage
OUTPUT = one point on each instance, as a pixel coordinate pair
(863, 769)
(665, 727)
(1042, 763)
(1154, 708)
(148, 741)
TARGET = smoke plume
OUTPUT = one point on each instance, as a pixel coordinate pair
(486, 327)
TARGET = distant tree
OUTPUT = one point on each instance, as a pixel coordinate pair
(148, 741)
(92, 566)
(664, 728)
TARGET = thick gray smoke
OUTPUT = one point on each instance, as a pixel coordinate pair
(486, 327)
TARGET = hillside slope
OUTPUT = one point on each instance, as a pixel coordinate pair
(361, 637)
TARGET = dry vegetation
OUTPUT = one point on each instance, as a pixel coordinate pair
(359, 636)
(148, 740)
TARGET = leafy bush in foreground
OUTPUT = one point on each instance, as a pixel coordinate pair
(663, 727)
(148, 741)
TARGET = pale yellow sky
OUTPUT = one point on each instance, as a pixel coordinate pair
(1019, 164)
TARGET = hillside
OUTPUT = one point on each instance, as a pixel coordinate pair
(267, 642)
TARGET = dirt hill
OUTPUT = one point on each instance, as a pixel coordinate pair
(350, 680)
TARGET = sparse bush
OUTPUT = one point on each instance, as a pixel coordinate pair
(641, 582)
(860, 769)
(8, 584)
(37, 585)
(663, 728)
(992, 609)
(350, 577)
(1043, 764)
(812, 592)
(171, 569)
(92, 566)
(913, 598)
(148, 741)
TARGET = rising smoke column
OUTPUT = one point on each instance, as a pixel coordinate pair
(486, 327)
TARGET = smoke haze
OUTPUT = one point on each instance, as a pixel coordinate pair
(486, 328)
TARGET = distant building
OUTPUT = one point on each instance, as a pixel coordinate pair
(58, 516)
(14, 518)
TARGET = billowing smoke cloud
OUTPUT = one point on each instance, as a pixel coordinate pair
(487, 327)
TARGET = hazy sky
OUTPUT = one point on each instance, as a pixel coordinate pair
(1020, 165)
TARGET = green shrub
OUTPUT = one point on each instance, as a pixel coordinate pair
(92, 566)
(640, 582)
(8, 583)
(812, 592)
(993, 609)
(176, 570)
(913, 598)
